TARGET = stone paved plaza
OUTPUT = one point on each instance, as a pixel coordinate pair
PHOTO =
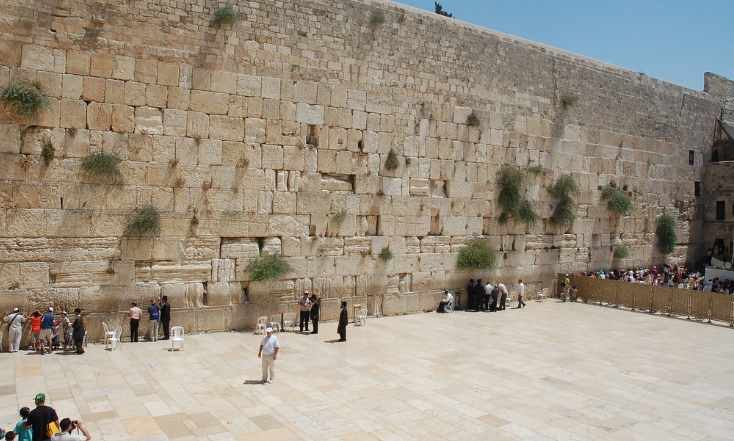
(553, 371)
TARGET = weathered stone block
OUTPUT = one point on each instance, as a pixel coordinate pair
(226, 128)
(211, 103)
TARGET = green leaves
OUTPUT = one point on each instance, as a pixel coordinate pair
(665, 232)
(477, 255)
(564, 191)
(617, 202)
(268, 267)
(24, 98)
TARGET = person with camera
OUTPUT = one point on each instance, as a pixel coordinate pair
(67, 426)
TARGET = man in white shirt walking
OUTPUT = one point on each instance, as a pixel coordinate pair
(268, 353)
(520, 294)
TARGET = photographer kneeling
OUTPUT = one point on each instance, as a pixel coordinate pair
(67, 426)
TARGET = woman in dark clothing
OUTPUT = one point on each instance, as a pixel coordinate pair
(343, 320)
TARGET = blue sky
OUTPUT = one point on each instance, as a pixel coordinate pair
(674, 40)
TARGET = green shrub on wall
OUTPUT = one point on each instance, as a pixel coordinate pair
(617, 202)
(47, 152)
(621, 252)
(477, 255)
(24, 98)
(338, 218)
(563, 191)
(102, 166)
(223, 16)
(510, 199)
(385, 254)
(268, 267)
(665, 232)
(145, 221)
(391, 163)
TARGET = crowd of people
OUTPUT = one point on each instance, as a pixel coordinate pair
(42, 423)
(47, 330)
(492, 298)
(668, 275)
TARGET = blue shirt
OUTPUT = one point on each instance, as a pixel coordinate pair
(23, 433)
(48, 320)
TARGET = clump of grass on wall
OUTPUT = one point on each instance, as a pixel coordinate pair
(564, 191)
(103, 166)
(665, 232)
(385, 254)
(472, 120)
(47, 152)
(376, 19)
(477, 255)
(536, 169)
(391, 163)
(338, 218)
(510, 199)
(621, 252)
(144, 221)
(223, 16)
(268, 267)
(24, 98)
(617, 202)
(569, 100)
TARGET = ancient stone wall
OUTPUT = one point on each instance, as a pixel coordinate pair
(257, 137)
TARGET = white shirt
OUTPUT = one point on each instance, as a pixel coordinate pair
(17, 320)
(488, 288)
(304, 303)
(521, 289)
(270, 344)
(447, 297)
(502, 288)
(66, 436)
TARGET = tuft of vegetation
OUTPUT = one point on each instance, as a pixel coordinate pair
(71, 131)
(477, 255)
(385, 254)
(338, 218)
(569, 100)
(440, 11)
(526, 215)
(47, 152)
(103, 166)
(510, 199)
(621, 252)
(110, 269)
(665, 232)
(194, 220)
(564, 191)
(376, 19)
(268, 267)
(617, 202)
(223, 17)
(472, 120)
(391, 163)
(24, 98)
(144, 222)
(407, 162)
(536, 169)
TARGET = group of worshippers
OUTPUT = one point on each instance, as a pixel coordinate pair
(487, 297)
(47, 330)
(42, 423)
(668, 275)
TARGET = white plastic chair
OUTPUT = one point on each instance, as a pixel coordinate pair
(177, 336)
(362, 317)
(107, 333)
(289, 319)
(510, 298)
(542, 294)
(262, 324)
(449, 306)
(115, 340)
(275, 322)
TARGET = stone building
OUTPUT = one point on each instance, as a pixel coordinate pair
(274, 134)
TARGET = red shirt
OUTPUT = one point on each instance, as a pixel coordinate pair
(36, 324)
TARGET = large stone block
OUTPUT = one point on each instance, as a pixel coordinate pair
(226, 128)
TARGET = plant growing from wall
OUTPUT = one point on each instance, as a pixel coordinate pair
(391, 163)
(71, 131)
(621, 252)
(338, 218)
(477, 255)
(268, 267)
(144, 222)
(377, 19)
(223, 16)
(526, 215)
(385, 254)
(617, 202)
(569, 100)
(510, 199)
(440, 11)
(47, 152)
(665, 232)
(564, 191)
(472, 120)
(536, 169)
(24, 98)
(102, 166)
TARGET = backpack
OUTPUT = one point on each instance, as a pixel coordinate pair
(154, 314)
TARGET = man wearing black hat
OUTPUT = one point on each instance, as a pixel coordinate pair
(78, 331)
(67, 426)
(165, 317)
(343, 322)
(315, 306)
(40, 417)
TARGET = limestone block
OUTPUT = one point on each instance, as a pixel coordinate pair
(38, 57)
(356, 99)
(78, 274)
(225, 82)
(201, 79)
(134, 93)
(99, 116)
(237, 248)
(156, 96)
(93, 89)
(72, 86)
(226, 128)
(174, 122)
(10, 276)
(359, 120)
(313, 203)
(77, 62)
(284, 202)
(179, 98)
(270, 88)
(305, 92)
(101, 65)
(114, 91)
(255, 130)
(148, 120)
(210, 153)
(194, 295)
(10, 138)
(211, 103)
(197, 125)
(392, 186)
(223, 270)
(272, 157)
(123, 118)
(285, 225)
(309, 114)
(123, 68)
(167, 74)
(146, 71)
(176, 293)
(176, 272)
(248, 85)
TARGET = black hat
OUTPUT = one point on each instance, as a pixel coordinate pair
(77, 311)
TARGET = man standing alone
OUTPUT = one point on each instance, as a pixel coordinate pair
(134, 313)
(343, 321)
(78, 331)
(165, 313)
(268, 353)
(304, 303)
(520, 294)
